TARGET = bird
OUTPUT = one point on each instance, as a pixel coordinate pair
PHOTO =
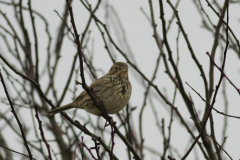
(114, 90)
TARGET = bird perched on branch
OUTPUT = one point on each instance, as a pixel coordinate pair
(114, 90)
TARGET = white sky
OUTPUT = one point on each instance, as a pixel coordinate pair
(143, 46)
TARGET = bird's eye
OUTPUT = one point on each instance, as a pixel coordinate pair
(116, 68)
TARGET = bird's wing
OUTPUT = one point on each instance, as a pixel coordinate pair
(84, 100)
(101, 82)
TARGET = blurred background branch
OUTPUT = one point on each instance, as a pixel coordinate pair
(38, 62)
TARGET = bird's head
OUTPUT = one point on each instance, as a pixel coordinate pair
(119, 69)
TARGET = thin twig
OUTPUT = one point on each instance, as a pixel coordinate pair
(16, 117)
(42, 133)
(16, 152)
(215, 94)
(209, 103)
(238, 89)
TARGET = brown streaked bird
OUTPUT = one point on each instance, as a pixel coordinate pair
(114, 90)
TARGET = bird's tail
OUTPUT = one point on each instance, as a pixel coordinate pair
(60, 109)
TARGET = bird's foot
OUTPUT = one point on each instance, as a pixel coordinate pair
(111, 122)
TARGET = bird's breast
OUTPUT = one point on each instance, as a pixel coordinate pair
(115, 94)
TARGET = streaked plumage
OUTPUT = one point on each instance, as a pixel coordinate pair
(113, 89)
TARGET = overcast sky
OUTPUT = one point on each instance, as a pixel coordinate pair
(142, 45)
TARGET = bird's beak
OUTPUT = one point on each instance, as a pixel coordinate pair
(125, 69)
